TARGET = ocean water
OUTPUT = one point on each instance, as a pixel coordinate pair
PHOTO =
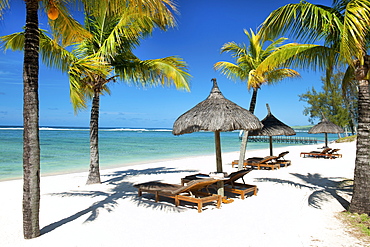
(67, 149)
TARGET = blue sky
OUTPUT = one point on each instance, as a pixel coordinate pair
(203, 27)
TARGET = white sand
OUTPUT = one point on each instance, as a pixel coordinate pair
(294, 207)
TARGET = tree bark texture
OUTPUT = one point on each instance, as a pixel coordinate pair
(360, 202)
(243, 145)
(31, 144)
(94, 172)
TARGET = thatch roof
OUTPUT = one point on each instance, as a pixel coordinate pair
(216, 113)
(325, 126)
(272, 127)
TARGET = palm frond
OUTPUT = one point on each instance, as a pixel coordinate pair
(4, 4)
(125, 31)
(90, 67)
(231, 71)
(235, 49)
(356, 24)
(164, 71)
(291, 54)
(65, 29)
(77, 94)
(348, 79)
(305, 21)
(54, 55)
(13, 41)
(84, 75)
(273, 46)
(255, 79)
(162, 11)
(280, 74)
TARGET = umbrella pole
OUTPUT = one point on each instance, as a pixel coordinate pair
(220, 184)
(326, 140)
(270, 137)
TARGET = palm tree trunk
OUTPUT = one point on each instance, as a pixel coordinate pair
(94, 173)
(31, 144)
(243, 145)
(360, 202)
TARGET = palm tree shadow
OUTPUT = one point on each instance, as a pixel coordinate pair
(120, 190)
(322, 187)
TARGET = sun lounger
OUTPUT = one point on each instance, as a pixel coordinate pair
(281, 160)
(236, 162)
(317, 154)
(239, 188)
(230, 183)
(334, 153)
(259, 162)
(266, 162)
(190, 192)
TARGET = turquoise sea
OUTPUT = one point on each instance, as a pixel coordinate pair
(66, 149)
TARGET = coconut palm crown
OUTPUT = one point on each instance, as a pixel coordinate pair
(260, 63)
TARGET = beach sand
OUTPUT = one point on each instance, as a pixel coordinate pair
(294, 206)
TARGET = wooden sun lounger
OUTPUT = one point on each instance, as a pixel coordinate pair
(190, 193)
(282, 161)
(236, 162)
(267, 162)
(239, 188)
(278, 159)
(230, 184)
(334, 153)
(316, 154)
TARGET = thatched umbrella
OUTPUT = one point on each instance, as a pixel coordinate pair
(272, 127)
(325, 126)
(216, 114)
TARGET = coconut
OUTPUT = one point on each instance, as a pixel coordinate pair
(53, 13)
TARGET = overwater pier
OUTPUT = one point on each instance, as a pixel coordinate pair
(284, 139)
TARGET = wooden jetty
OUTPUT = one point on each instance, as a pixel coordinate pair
(284, 139)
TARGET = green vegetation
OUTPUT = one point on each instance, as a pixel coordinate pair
(332, 103)
(360, 224)
(347, 139)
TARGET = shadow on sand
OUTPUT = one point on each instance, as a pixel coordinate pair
(322, 187)
(120, 190)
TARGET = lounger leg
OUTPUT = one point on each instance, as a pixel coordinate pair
(177, 201)
(219, 200)
(156, 196)
(200, 205)
(140, 193)
(242, 195)
(255, 191)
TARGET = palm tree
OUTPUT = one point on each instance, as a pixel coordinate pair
(117, 52)
(257, 66)
(344, 28)
(31, 145)
(67, 31)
